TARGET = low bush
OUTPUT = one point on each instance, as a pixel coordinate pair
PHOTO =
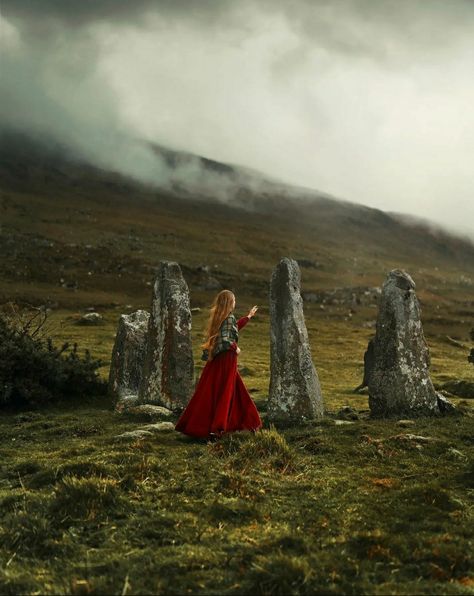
(34, 372)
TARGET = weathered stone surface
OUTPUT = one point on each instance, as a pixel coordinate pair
(159, 427)
(135, 434)
(148, 412)
(445, 406)
(347, 413)
(410, 437)
(125, 402)
(168, 371)
(406, 423)
(128, 355)
(399, 384)
(91, 318)
(294, 392)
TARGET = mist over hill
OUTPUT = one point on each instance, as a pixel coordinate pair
(71, 230)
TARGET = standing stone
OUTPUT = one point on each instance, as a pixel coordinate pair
(295, 392)
(168, 371)
(400, 383)
(128, 355)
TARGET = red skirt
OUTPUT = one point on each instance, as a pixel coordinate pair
(221, 402)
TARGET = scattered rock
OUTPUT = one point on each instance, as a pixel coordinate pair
(168, 371)
(399, 383)
(348, 413)
(342, 422)
(406, 423)
(456, 453)
(125, 402)
(445, 406)
(159, 427)
(410, 437)
(90, 318)
(460, 388)
(196, 309)
(148, 412)
(294, 392)
(128, 356)
(135, 434)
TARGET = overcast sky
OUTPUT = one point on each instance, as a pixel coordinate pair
(369, 100)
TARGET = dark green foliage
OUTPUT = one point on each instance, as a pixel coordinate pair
(34, 372)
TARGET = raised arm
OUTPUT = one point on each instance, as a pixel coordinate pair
(242, 322)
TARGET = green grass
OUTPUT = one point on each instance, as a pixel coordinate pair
(317, 509)
(321, 508)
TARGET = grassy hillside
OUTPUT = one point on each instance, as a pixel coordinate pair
(324, 508)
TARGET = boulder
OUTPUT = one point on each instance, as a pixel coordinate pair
(347, 413)
(148, 412)
(460, 388)
(294, 392)
(399, 383)
(445, 406)
(91, 318)
(168, 371)
(128, 356)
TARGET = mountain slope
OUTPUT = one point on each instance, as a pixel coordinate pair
(73, 234)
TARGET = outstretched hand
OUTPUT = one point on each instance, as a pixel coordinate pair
(252, 311)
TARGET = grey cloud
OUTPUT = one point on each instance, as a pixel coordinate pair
(365, 99)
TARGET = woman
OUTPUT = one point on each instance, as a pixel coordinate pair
(221, 402)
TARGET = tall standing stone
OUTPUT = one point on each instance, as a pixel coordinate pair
(128, 355)
(168, 372)
(295, 392)
(400, 383)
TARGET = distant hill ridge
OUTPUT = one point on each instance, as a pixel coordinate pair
(62, 218)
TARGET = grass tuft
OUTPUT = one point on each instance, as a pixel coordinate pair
(246, 450)
(85, 498)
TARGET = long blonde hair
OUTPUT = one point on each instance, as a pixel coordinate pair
(220, 309)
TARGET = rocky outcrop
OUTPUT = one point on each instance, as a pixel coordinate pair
(128, 355)
(294, 392)
(400, 384)
(168, 371)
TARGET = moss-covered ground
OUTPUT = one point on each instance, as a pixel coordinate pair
(324, 508)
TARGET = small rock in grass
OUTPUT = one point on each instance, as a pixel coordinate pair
(149, 411)
(445, 406)
(159, 427)
(126, 402)
(91, 318)
(135, 434)
(341, 422)
(348, 413)
(410, 437)
(456, 453)
(406, 423)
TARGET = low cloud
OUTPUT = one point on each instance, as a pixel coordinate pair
(367, 101)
